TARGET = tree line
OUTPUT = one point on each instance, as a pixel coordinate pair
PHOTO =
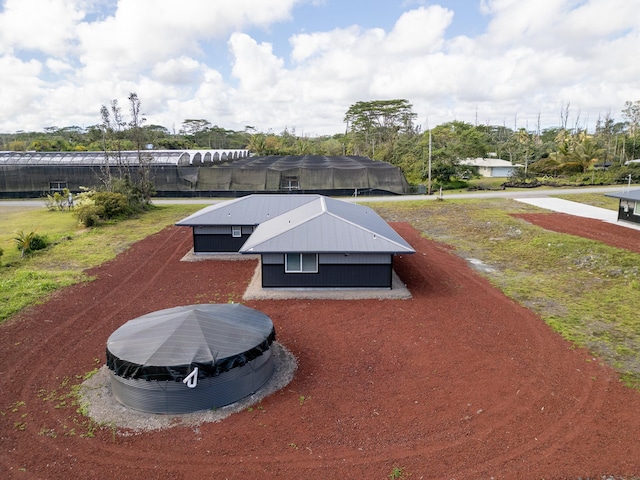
(384, 130)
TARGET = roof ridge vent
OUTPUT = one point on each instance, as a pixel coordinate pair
(323, 203)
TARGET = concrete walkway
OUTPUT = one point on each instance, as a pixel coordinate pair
(579, 209)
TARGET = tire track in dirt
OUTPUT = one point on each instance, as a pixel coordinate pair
(508, 407)
(460, 342)
(167, 254)
(420, 291)
(575, 422)
(590, 398)
(72, 327)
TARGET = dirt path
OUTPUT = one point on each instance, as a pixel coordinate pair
(458, 382)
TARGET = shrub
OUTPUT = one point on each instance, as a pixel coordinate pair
(137, 193)
(111, 205)
(519, 176)
(49, 202)
(29, 242)
(88, 214)
(57, 200)
(453, 184)
(38, 242)
(621, 175)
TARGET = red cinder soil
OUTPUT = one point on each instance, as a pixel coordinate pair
(614, 235)
(458, 382)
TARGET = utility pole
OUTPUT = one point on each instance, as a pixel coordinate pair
(429, 178)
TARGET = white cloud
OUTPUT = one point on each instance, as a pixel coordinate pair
(533, 56)
(570, 25)
(141, 32)
(44, 26)
(178, 71)
(58, 66)
(419, 31)
(20, 86)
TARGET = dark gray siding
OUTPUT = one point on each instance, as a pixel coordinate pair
(334, 271)
(218, 239)
(168, 397)
(629, 211)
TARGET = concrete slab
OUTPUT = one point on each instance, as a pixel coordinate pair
(254, 291)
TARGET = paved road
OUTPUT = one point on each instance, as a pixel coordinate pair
(522, 193)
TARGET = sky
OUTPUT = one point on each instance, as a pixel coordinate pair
(300, 64)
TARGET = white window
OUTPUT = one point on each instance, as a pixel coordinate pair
(236, 232)
(636, 210)
(289, 183)
(301, 263)
(57, 186)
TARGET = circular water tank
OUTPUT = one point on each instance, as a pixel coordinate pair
(190, 358)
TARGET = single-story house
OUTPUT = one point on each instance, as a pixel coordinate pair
(326, 243)
(491, 167)
(225, 226)
(629, 206)
(305, 241)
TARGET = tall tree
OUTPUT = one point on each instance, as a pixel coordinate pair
(257, 144)
(631, 112)
(452, 142)
(378, 122)
(143, 183)
(110, 128)
(193, 126)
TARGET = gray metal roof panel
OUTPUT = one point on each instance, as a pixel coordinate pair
(192, 333)
(326, 225)
(249, 210)
(629, 195)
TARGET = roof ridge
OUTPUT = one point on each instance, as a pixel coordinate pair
(365, 229)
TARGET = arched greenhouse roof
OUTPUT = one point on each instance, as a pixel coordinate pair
(155, 157)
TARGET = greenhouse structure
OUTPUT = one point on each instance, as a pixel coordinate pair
(199, 173)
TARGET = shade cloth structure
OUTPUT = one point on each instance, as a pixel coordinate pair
(212, 172)
(328, 175)
(190, 358)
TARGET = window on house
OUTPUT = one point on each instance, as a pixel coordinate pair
(236, 232)
(301, 263)
(636, 210)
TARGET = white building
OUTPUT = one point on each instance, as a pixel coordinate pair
(491, 167)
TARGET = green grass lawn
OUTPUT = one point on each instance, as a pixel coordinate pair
(25, 281)
(593, 199)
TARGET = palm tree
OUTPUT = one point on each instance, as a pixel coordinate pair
(23, 240)
(257, 144)
(577, 153)
(586, 154)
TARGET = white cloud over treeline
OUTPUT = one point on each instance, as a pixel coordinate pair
(60, 60)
